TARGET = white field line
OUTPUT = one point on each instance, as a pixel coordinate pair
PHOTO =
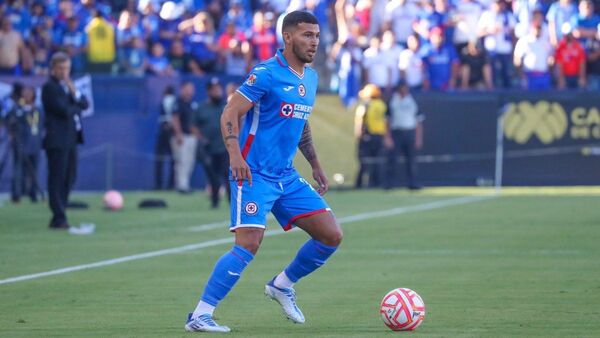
(215, 242)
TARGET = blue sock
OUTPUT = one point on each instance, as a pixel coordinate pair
(225, 274)
(309, 258)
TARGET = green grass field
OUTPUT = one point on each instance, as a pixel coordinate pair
(522, 264)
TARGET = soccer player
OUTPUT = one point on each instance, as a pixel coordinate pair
(277, 99)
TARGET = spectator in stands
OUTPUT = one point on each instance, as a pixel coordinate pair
(158, 64)
(40, 43)
(13, 48)
(101, 42)
(168, 27)
(38, 13)
(181, 61)
(183, 142)
(19, 16)
(347, 56)
(560, 12)
(206, 126)
(533, 56)
(202, 41)
(377, 70)
(238, 15)
(496, 27)
(128, 29)
(476, 71)
(570, 61)
(585, 25)
(263, 39)
(150, 21)
(412, 68)
(237, 58)
(593, 63)
(391, 54)
(441, 62)
(24, 123)
(162, 150)
(406, 133)
(466, 15)
(135, 58)
(399, 17)
(74, 42)
(230, 32)
(370, 129)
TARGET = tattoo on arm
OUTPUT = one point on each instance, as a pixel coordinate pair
(306, 144)
(231, 137)
(229, 127)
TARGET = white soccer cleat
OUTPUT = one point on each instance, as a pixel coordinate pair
(287, 299)
(204, 323)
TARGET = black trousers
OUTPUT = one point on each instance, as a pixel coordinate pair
(216, 167)
(370, 157)
(163, 156)
(24, 180)
(404, 145)
(62, 171)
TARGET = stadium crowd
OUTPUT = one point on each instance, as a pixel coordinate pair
(432, 44)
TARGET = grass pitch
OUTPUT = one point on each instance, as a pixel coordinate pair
(515, 265)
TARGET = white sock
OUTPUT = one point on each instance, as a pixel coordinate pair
(203, 308)
(282, 281)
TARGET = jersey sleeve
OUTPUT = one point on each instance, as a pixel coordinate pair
(257, 84)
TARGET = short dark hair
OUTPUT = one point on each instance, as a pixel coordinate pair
(59, 57)
(292, 19)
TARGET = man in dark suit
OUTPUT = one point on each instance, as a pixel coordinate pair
(62, 105)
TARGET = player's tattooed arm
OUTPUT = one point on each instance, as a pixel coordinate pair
(308, 150)
(229, 132)
(306, 145)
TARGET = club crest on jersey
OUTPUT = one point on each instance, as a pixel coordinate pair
(251, 80)
(301, 90)
(295, 110)
(251, 208)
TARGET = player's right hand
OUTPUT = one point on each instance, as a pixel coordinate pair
(240, 170)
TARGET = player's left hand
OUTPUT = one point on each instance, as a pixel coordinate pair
(321, 178)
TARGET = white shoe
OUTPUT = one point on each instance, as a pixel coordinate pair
(287, 299)
(204, 323)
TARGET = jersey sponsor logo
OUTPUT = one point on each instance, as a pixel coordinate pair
(288, 88)
(295, 110)
(301, 90)
(251, 79)
(251, 208)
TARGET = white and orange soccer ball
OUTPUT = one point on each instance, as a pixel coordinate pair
(113, 200)
(402, 309)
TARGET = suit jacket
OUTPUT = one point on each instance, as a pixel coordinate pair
(60, 109)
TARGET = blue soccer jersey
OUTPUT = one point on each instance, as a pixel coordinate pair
(283, 100)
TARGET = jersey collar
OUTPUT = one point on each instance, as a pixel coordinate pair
(283, 63)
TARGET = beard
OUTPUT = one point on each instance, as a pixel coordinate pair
(302, 57)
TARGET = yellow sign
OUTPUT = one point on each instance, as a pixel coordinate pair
(546, 120)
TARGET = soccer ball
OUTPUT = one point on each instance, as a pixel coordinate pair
(113, 200)
(402, 309)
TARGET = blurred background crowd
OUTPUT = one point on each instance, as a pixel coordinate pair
(431, 44)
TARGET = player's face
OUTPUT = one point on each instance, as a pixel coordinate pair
(304, 41)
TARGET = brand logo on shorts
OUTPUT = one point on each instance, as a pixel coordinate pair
(251, 208)
(301, 90)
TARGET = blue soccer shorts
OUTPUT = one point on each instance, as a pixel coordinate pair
(289, 199)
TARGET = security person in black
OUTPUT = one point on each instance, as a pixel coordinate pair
(62, 105)
(206, 127)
